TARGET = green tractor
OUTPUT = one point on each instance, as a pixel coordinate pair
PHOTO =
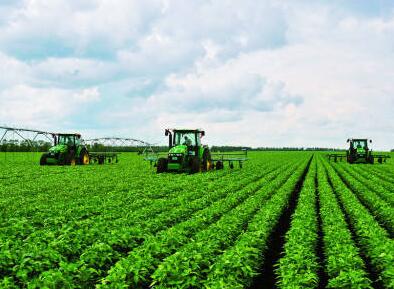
(68, 149)
(359, 152)
(186, 153)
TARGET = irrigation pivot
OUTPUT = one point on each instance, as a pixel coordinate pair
(72, 149)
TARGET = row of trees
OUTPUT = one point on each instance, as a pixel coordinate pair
(42, 146)
(24, 146)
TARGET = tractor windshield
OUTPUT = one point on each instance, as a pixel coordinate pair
(185, 138)
(360, 144)
(66, 140)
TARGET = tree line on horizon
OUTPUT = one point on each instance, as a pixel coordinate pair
(43, 146)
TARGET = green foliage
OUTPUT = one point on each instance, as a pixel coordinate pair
(299, 265)
(124, 226)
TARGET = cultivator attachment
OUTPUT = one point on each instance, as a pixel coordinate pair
(381, 158)
(370, 159)
(336, 157)
(218, 159)
(231, 158)
(103, 157)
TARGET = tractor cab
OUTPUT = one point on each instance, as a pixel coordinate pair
(359, 145)
(65, 142)
(67, 139)
(184, 137)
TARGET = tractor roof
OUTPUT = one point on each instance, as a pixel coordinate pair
(69, 134)
(358, 139)
(187, 130)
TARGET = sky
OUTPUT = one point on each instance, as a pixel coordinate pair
(251, 73)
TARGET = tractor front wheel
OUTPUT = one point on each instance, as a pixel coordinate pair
(162, 165)
(43, 160)
(196, 165)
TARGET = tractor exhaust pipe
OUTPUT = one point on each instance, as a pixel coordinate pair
(169, 134)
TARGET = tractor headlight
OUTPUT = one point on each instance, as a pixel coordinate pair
(175, 157)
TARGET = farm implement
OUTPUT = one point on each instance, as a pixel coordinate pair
(358, 152)
(187, 154)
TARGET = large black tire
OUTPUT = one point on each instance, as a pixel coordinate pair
(84, 158)
(62, 159)
(162, 165)
(196, 165)
(70, 159)
(371, 159)
(43, 160)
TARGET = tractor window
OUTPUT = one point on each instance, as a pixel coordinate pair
(360, 144)
(188, 139)
(66, 140)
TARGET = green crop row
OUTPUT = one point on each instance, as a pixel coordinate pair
(298, 268)
(380, 208)
(344, 266)
(373, 182)
(189, 266)
(241, 263)
(374, 240)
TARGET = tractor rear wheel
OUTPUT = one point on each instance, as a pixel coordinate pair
(162, 165)
(196, 165)
(84, 158)
(43, 160)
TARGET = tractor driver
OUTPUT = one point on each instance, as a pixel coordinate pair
(187, 141)
(70, 141)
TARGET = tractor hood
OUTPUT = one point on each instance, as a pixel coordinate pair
(180, 149)
(60, 148)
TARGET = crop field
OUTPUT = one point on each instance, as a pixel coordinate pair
(285, 220)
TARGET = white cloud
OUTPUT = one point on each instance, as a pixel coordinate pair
(42, 107)
(251, 72)
(87, 95)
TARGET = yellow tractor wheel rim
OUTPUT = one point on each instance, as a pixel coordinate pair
(85, 159)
